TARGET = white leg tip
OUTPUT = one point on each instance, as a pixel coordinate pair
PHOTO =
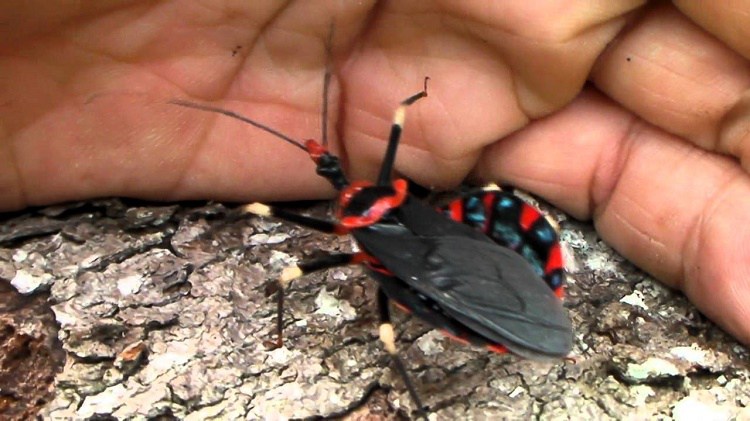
(388, 338)
(289, 273)
(257, 209)
(399, 116)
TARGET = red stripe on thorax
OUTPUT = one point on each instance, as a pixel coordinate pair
(377, 210)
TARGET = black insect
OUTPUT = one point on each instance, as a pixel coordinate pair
(485, 269)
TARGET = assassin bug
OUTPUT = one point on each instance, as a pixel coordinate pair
(485, 269)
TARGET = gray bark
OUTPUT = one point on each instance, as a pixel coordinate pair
(163, 312)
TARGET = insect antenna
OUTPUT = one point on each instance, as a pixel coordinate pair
(240, 117)
(384, 178)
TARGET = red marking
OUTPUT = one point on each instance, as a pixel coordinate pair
(315, 149)
(489, 203)
(402, 307)
(500, 349)
(362, 257)
(458, 339)
(554, 259)
(371, 262)
(457, 210)
(350, 191)
(555, 262)
(529, 215)
(377, 210)
(341, 230)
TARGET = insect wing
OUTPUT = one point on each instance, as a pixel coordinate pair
(423, 220)
(488, 288)
(511, 222)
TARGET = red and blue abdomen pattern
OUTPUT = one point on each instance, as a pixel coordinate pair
(511, 222)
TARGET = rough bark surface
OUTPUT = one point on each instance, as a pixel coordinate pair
(162, 312)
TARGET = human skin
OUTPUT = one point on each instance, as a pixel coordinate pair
(634, 116)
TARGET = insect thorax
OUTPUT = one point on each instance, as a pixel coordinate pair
(362, 204)
(363, 200)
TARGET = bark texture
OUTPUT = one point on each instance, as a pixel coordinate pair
(140, 311)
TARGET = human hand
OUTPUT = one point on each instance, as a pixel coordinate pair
(85, 113)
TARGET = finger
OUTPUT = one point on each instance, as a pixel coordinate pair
(490, 73)
(675, 75)
(21, 20)
(280, 84)
(90, 104)
(676, 211)
(727, 21)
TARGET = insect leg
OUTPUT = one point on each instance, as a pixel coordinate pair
(306, 221)
(388, 338)
(384, 178)
(292, 272)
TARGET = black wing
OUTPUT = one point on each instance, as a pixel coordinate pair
(490, 289)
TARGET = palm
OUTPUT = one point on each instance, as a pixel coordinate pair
(85, 114)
